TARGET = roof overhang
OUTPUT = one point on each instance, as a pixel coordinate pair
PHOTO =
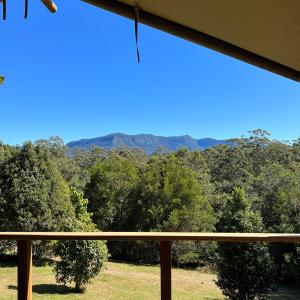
(264, 33)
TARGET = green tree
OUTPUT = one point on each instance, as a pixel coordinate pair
(80, 205)
(33, 195)
(79, 261)
(229, 167)
(108, 190)
(66, 164)
(279, 190)
(169, 197)
(244, 269)
(278, 187)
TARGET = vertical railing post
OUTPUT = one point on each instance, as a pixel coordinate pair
(24, 270)
(165, 270)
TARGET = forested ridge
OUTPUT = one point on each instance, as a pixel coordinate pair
(147, 142)
(252, 185)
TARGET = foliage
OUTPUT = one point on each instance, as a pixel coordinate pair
(33, 195)
(108, 190)
(291, 271)
(79, 261)
(244, 269)
(168, 197)
(80, 205)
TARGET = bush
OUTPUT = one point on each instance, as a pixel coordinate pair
(80, 261)
(292, 270)
(245, 270)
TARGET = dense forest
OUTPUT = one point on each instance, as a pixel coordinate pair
(252, 185)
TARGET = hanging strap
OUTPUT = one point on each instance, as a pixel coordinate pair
(4, 10)
(136, 29)
(26, 9)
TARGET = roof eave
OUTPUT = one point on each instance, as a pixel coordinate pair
(197, 37)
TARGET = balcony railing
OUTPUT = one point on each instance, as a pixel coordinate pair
(24, 241)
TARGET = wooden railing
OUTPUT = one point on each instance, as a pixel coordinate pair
(24, 241)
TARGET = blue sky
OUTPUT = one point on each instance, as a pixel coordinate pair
(74, 74)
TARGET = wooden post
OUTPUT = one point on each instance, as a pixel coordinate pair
(165, 270)
(24, 270)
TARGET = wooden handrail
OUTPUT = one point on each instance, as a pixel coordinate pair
(154, 236)
(165, 238)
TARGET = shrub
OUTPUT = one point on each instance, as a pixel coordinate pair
(79, 262)
(245, 270)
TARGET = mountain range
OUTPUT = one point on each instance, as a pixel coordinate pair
(148, 142)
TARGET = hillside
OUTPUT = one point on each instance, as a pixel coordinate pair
(148, 142)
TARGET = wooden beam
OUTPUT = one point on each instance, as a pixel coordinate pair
(154, 236)
(51, 6)
(198, 37)
(24, 270)
(165, 270)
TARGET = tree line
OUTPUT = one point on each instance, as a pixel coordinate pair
(252, 185)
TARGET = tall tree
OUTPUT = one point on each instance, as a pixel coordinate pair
(33, 195)
(108, 190)
(169, 197)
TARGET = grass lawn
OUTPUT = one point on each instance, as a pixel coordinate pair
(125, 281)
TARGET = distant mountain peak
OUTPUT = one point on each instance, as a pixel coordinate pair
(148, 142)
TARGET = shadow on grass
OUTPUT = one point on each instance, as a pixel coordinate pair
(50, 289)
(8, 261)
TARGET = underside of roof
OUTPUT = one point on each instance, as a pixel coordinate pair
(265, 33)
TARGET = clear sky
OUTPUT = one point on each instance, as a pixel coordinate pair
(74, 74)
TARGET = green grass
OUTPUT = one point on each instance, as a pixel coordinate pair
(125, 281)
